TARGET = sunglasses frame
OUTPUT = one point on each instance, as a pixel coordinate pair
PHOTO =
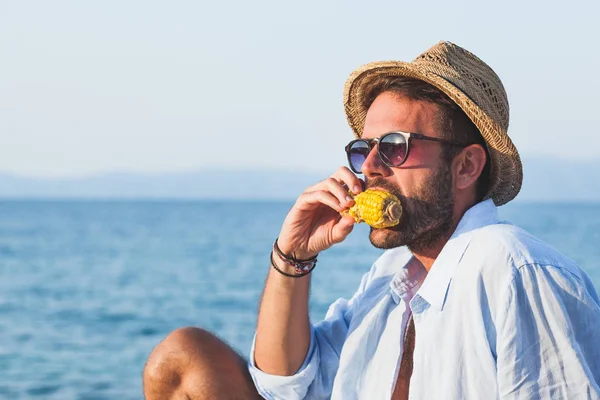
(407, 137)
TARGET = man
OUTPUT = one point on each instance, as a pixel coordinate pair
(461, 306)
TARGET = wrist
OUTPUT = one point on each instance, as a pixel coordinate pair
(284, 268)
(290, 265)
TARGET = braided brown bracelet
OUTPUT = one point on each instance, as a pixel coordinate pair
(302, 267)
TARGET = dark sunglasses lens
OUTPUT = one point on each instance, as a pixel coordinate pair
(392, 149)
(357, 154)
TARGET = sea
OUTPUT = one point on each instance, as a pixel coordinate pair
(88, 288)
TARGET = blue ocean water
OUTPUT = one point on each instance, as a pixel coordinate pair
(88, 288)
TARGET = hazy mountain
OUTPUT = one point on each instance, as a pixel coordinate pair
(252, 184)
(544, 180)
(551, 179)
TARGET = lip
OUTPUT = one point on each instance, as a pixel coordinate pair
(383, 189)
(377, 188)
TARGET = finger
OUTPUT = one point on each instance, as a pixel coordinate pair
(335, 187)
(348, 178)
(339, 184)
(338, 190)
(342, 229)
(314, 199)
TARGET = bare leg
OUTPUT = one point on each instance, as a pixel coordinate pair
(193, 364)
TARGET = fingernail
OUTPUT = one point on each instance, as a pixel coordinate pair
(348, 198)
(356, 189)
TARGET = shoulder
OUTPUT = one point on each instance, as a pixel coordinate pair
(517, 247)
(524, 259)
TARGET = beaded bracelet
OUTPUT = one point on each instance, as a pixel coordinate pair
(302, 267)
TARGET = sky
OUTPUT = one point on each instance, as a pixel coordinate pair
(90, 87)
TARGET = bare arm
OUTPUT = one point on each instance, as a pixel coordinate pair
(312, 225)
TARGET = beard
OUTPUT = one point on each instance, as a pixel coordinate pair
(426, 215)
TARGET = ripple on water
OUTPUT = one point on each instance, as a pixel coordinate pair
(8, 393)
(43, 390)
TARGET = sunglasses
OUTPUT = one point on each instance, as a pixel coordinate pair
(392, 148)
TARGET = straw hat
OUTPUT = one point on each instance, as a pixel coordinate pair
(471, 84)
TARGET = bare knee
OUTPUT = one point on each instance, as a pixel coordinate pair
(177, 349)
(170, 361)
(190, 363)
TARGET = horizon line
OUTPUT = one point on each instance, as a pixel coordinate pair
(158, 199)
(224, 168)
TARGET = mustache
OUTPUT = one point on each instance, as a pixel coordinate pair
(381, 183)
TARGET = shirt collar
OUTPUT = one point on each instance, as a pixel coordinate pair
(407, 280)
(435, 287)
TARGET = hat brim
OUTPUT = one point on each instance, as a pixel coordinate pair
(506, 174)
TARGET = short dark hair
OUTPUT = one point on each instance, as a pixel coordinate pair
(453, 122)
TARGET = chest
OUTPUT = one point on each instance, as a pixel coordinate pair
(455, 345)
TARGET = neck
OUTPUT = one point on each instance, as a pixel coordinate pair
(428, 255)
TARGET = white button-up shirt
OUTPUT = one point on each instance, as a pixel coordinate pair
(500, 315)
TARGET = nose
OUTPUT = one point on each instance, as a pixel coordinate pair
(373, 166)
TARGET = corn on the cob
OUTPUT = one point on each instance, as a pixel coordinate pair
(375, 207)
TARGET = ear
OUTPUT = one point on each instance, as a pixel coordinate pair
(467, 166)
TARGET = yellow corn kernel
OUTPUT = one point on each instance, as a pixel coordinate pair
(377, 208)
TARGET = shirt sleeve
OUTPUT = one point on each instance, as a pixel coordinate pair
(548, 336)
(314, 379)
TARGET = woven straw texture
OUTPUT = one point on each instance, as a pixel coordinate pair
(469, 82)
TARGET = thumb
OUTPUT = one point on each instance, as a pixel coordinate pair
(342, 228)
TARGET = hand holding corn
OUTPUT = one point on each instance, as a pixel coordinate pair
(377, 208)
